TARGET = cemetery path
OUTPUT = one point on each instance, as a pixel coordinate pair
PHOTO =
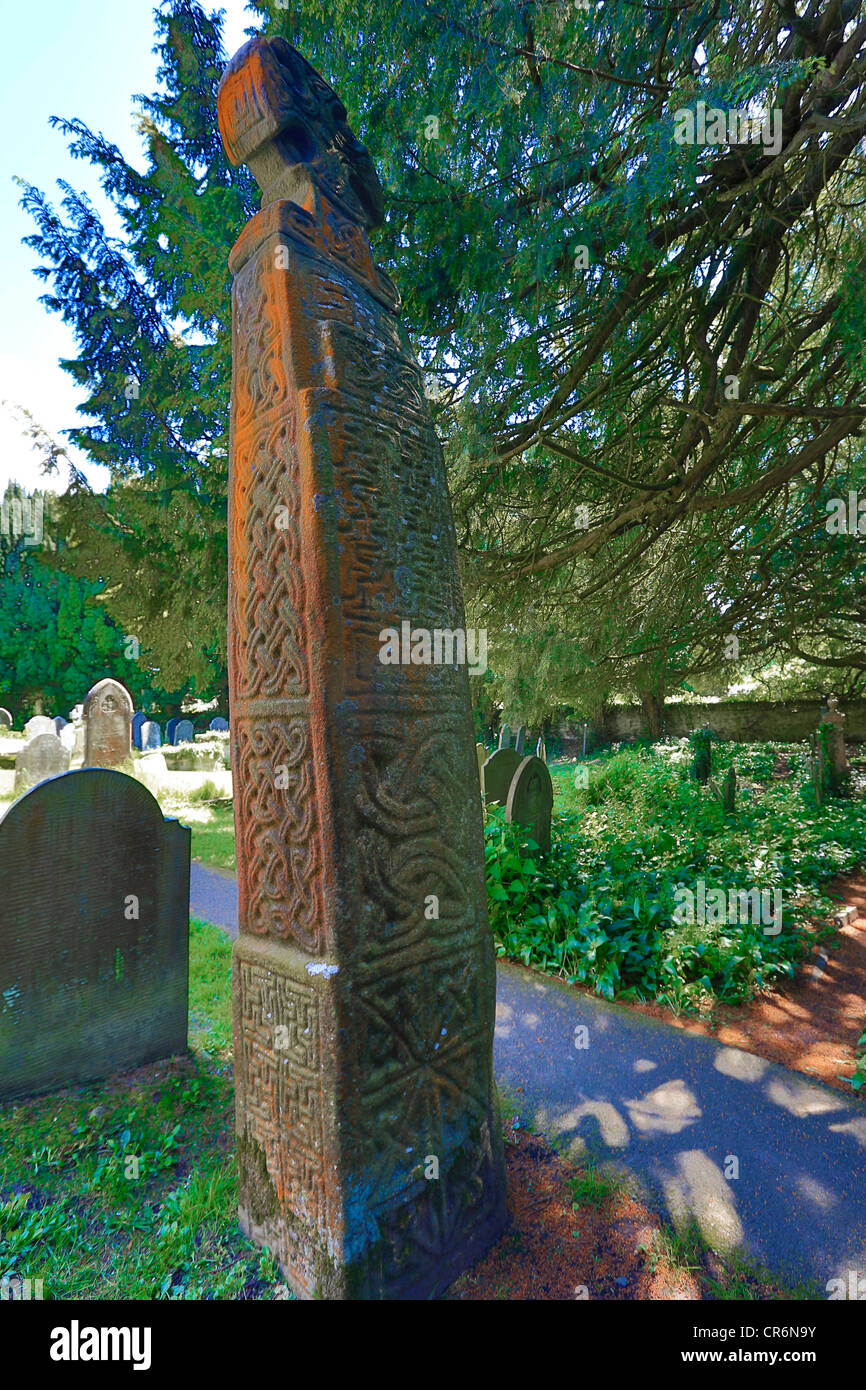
(675, 1110)
(213, 897)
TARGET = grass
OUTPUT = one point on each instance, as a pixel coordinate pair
(128, 1188)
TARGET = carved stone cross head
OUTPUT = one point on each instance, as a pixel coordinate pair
(277, 115)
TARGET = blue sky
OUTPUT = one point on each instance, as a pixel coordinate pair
(82, 58)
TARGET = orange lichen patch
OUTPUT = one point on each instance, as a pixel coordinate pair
(811, 1025)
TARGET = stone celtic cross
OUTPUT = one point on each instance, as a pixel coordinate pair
(368, 1135)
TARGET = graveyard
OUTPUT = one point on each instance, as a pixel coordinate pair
(433, 748)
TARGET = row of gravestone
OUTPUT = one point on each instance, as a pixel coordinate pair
(147, 734)
(517, 741)
(522, 785)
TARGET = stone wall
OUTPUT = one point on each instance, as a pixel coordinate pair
(742, 721)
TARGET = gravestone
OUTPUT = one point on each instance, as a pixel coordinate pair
(364, 986)
(505, 737)
(5, 718)
(481, 755)
(530, 801)
(94, 924)
(69, 736)
(39, 724)
(150, 736)
(59, 724)
(520, 740)
(79, 742)
(218, 725)
(76, 714)
(836, 719)
(183, 732)
(138, 719)
(541, 749)
(170, 729)
(44, 756)
(107, 724)
(496, 775)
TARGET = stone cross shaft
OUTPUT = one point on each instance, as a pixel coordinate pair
(368, 1136)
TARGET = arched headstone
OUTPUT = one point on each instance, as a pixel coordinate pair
(520, 740)
(496, 775)
(138, 719)
(59, 724)
(530, 801)
(170, 728)
(505, 736)
(184, 732)
(481, 755)
(5, 718)
(218, 725)
(150, 735)
(39, 724)
(108, 724)
(44, 756)
(94, 923)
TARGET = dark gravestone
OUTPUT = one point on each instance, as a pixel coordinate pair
(170, 728)
(108, 724)
(150, 736)
(44, 756)
(219, 725)
(138, 719)
(59, 724)
(505, 736)
(496, 775)
(94, 922)
(530, 801)
(184, 732)
(520, 740)
(5, 718)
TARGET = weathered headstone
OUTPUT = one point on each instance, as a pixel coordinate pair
(496, 775)
(530, 801)
(170, 729)
(150, 736)
(39, 724)
(183, 731)
(5, 718)
(44, 756)
(368, 1136)
(138, 719)
(94, 923)
(69, 735)
(108, 724)
(482, 755)
(836, 719)
(505, 736)
(520, 740)
(218, 725)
